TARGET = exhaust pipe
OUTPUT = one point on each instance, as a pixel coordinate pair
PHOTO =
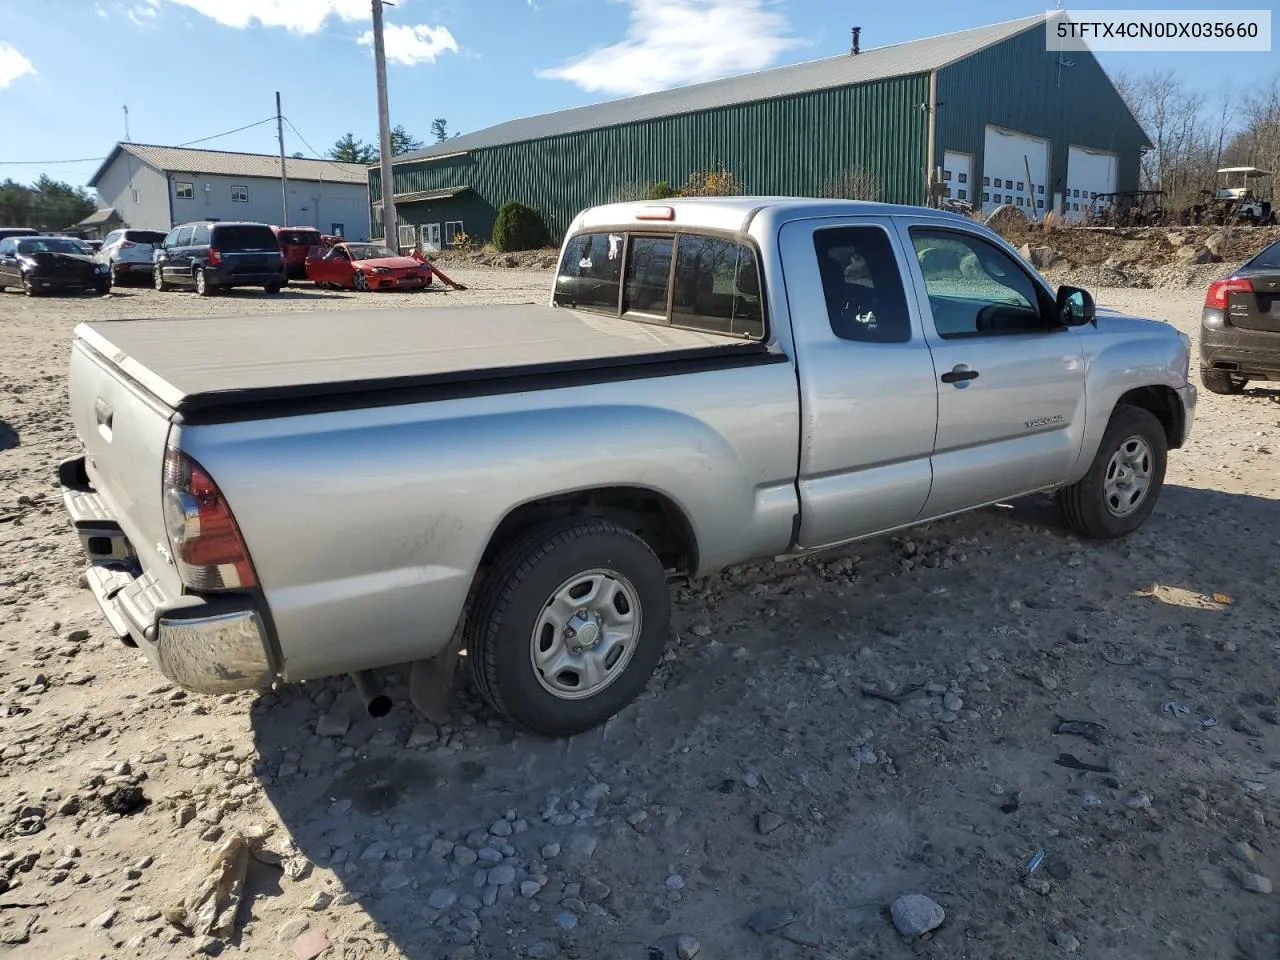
(375, 700)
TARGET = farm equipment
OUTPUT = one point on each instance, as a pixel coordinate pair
(1128, 208)
(1234, 202)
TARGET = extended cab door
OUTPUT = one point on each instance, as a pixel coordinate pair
(868, 392)
(1011, 399)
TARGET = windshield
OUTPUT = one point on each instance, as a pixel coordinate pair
(368, 251)
(299, 238)
(49, 245)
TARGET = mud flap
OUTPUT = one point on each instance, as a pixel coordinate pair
(431, 680)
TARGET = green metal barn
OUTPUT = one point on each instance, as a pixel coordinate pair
(1002, 118)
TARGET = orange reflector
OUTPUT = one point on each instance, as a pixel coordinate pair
(656, 213)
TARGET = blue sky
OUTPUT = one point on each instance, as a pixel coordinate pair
(189, 69)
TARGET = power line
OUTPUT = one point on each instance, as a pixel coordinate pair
(216, 136)
(319, 156)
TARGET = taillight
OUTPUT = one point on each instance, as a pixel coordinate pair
(215, 256)
(127, 243)
(1220, 292)
(207, 547)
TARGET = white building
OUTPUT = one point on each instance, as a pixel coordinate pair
(154, 188)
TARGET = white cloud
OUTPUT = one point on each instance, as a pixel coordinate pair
(675, 42)
(13, 65)
(413, 45)
(144, 13)
(300, 16)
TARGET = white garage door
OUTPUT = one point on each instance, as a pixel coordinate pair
(957, 174)
(1089, 173)
(1007, 158)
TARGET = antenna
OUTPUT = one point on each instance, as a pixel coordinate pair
(126, 123)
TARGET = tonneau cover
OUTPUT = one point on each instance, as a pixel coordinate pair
(197, 363)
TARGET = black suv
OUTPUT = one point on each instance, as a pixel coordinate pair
(214, 254)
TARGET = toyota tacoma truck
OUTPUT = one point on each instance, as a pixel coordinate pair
(280, 498)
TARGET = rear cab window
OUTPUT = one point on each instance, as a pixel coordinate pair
(153, 237)
(299, 238)
(862, 284)
(686, 280)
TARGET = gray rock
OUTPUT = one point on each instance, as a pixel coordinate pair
(542, 950)
(529, 889)
(375, 851)
(582, 846)
(952, 702)
(770, 919)
(593, 889)
(1067, 941)
(290, 930)
(1255, 883)
(687, 947)
(105, 919)
(768, 822)
(442, 899)
(490, 855)
(550, 851)
(566, 920)
(915, 914)
(865, 756)
(423, 735)
(209, 946)
(500, 828)
(334, 724)
(441, 848)
(395, 881)
(464, 856)
(1243, 851)
(675, 882)
(319, 901)
(502, 875)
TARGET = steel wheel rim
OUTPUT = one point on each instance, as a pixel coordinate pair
(1128, 478)
(586, 634)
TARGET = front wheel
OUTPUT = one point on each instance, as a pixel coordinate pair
(28, 286)
(158, 280)
(1222, 381)
(1124, 481)
(569, 626)
(361, 282)
(271, 287)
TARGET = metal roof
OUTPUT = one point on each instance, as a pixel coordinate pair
(227, 163)
(894, 60)
(99, 217)
(444, 193)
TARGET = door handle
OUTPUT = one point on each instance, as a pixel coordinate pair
(959, 374)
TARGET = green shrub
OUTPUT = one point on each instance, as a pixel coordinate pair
(518, 227)
(661, 191)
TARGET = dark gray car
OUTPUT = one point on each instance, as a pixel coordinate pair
(1240, 325)
(214, 255)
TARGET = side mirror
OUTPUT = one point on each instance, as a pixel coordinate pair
(1075, 307)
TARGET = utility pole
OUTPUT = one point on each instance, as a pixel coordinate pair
(284, 178)
(390, 229)
(126, 123)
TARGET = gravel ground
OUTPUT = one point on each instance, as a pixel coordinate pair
(873, 728)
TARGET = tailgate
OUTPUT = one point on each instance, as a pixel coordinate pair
(124, 431)
(1259, 310)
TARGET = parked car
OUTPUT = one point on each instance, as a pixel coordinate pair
(1240, 325)
(712, 381)
(128, 253)
(366, 266)
(49, 264)
(213, 255)
(6, 232)
(295, 242)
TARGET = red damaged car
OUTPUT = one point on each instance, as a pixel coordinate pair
(366, 266)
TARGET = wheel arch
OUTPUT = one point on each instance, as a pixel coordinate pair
(1163, 403)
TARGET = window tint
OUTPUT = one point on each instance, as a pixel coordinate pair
(974, 287)
(244, 236)
(184, 237)
(201, 235)
(7, 247)
(171, 239)
(302, 238)
(142, 236)
(590, 271)
(648, 275)
(1268, 259)
(717, 287)
(862, 285)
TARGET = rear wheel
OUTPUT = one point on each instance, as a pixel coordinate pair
(158, 280)
(569, 625)
(203, 286)
(361, 281)
(271, 287)
(1222, 381)
(1124, 481)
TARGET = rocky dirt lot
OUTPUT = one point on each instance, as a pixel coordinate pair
(930, 715)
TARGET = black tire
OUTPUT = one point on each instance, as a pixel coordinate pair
(1085, 504)
(1222, 381)
(158, 281)
(29, 288)
(203, 286)
(361, 282)
(103, 287)
(513, 598)
(111, 274)
(271, 287)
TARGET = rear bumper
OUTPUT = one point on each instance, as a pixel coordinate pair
(204, 644)
(1251, 353)
(245, 276)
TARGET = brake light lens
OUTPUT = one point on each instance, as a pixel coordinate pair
(127, 243)
(207, 546)
(1220, 292)
(656, 213)
(215, 256)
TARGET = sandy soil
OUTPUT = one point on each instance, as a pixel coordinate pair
(755, 786)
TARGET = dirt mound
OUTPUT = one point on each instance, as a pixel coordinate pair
(544, 259)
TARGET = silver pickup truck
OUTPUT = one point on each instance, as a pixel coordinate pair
(281, 498)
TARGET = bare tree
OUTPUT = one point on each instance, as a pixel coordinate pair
(853, 183)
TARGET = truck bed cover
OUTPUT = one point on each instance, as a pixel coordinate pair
(228, 368)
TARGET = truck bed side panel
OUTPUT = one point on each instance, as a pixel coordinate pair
(366, 525)
(124, 431)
